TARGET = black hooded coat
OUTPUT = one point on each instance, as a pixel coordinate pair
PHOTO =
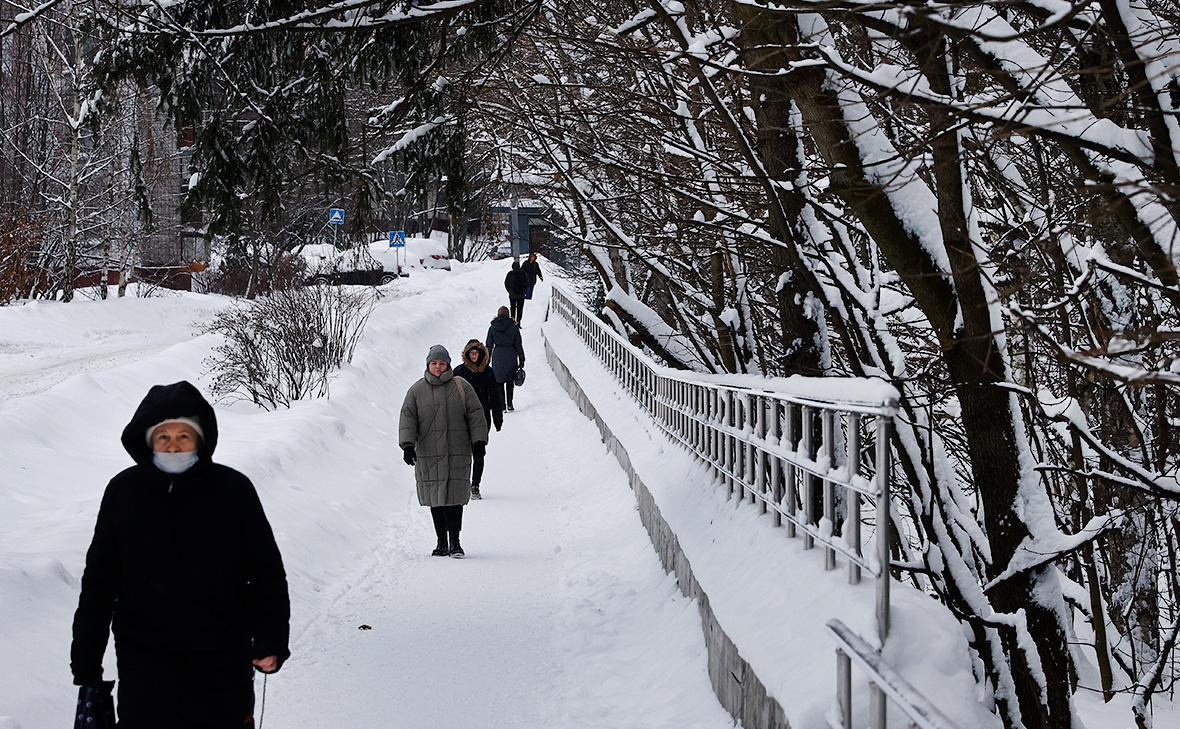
(483, 381)
(183, 568)
(516, 283)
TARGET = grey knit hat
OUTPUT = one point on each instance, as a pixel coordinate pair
(438, 352)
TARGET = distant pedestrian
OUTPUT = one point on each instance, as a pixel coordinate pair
(517, 285)
(504, 342)
(442, 429)
(184, 567)
(532, 274)
(476, 369)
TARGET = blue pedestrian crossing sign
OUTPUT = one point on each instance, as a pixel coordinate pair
(335, 216)
(397, 239)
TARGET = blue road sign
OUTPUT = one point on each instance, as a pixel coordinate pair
(335, 216)
(397, 239)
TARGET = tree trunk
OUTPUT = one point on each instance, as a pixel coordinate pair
(974, 359)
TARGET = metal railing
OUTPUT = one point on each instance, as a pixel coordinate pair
(800, 457)
(884, 681)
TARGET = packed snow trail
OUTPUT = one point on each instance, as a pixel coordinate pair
(560, 616)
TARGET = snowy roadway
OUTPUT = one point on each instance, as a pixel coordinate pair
(560, 617)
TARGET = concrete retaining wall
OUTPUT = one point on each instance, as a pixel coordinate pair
(737, 687)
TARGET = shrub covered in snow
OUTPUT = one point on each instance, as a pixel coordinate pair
(284, 347)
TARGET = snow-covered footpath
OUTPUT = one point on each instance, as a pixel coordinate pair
(560, 617)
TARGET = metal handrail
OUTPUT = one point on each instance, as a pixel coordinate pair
(762, 444)
(885, 681)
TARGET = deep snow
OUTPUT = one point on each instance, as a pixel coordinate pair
(560, 617)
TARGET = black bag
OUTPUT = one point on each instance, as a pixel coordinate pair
(519, 376)
(96, 707)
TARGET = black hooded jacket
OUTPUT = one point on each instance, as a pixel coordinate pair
(516, 283)
(483, 380)
(532, 272)
(180, 565)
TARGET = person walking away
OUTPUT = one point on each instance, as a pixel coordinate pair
(442, 428)
(517, 286)
(532, 274)
(503, 341)
(184, 569)
(476, 369)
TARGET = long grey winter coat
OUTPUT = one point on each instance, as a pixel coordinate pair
(442, 417)
(503, 341)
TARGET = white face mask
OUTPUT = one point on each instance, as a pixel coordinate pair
(175, 463)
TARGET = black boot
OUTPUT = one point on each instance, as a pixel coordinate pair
(456, 548)
(438, 514)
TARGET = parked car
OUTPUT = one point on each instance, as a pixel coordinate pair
(501, 251)
(324, 264)
(427, 253)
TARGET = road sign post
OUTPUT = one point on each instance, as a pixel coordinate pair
(335, 219)
(397, 241)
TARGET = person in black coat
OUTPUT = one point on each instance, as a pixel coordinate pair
(184, 569)
(507, 350)
(476, 369)
(532, 274)
(517, 286)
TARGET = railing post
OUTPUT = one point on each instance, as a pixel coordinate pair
(730, 455)
(751, 469)
(694, 424)
(715, 427)
(852, 504)
(827, 418)
(789, 441)
(808, 479)
(878, 708)
(883, 519)
(844, 688)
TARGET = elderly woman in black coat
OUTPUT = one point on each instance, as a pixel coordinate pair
(184, 569)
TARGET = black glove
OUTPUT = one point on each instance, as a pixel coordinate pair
(96, 708)
(479, 449)
(409, 455)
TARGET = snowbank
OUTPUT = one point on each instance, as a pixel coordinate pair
(327, 490)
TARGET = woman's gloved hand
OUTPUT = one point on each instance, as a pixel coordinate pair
(409, 455)
(479, 449)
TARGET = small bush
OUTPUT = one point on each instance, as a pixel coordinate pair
(233, 276)
(284, 347)
(19, 241)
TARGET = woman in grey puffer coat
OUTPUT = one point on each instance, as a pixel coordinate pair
(442, 426)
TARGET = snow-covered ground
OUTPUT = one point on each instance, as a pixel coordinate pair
(560, 617)
(43, 343)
